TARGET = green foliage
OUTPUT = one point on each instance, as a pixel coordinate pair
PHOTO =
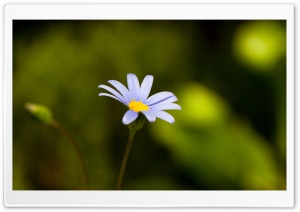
(221, 152)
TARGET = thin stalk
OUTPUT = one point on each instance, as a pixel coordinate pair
(126, 154)
(70, 138)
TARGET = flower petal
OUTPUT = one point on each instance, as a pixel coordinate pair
(133, 86)
(129, 117)
(166, 100)
(149, 115)
(114, 92)
(165, 106)
(158, 97)
(122, 89)
(112, 96)
(164, 116)
(146, 88)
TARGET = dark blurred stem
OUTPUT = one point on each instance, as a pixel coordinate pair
(126, 154)
(70, 138)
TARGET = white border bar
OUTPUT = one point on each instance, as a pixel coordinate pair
(149, 11)
(150, 198)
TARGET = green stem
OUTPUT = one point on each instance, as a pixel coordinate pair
(69, 136)
(126, 154)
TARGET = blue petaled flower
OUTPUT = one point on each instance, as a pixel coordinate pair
(136, 99)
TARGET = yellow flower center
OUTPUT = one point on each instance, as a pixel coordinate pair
(137, 106)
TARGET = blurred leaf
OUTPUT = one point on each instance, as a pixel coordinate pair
(216, 150)
(201, 107)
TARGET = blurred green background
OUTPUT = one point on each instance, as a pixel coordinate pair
(229, 77)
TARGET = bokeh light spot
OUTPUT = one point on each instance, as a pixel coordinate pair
(260, 44)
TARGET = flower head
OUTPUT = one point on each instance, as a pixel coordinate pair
(137, 101)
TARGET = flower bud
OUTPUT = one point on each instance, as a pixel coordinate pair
(138, 123)
(40, 112)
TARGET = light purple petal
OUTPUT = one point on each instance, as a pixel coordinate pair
(129, 117)
(122, 89)
(133, 86)
(164, 116)
(166, 100)
(170, 100)
(114, 92)
(165, 106)
(112, 96)
(146, 88)
(149, 115)
(158, 97)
